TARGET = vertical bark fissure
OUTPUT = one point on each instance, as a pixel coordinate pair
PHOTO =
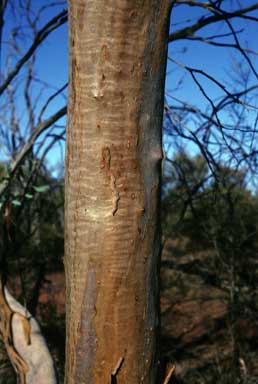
(117, 57)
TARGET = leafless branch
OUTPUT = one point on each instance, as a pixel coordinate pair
(36, 132)
(41, 35)
(203, 22)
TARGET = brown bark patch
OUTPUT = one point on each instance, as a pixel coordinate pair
(86, 335)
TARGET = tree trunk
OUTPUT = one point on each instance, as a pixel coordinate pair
(114, 152)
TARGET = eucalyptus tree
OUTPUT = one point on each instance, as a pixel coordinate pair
(117, 71)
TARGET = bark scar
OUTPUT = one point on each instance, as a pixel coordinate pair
(106, 164)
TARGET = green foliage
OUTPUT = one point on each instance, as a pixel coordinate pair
(215, 219)
(41, 188)
(209, 213)
(32, 222)
(17, 203)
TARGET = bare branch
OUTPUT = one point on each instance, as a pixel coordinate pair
(55, 94)
(38, 130)
(169, 374)
(219, 44)
(203, 22)
(41, 35)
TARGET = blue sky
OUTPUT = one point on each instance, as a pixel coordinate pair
(52, 57)
(219, 62)
(216, 61)
(51, 65)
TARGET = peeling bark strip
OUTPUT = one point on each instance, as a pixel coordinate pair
(29, 343)
(117, 70)
(6, 313)
(24, 343)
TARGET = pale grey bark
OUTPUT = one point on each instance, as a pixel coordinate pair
(31, 344)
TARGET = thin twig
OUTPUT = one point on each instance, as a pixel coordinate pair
(38, 130)
(169, 374)
(202, 22)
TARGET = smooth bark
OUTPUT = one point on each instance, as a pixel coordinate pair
(114, 152)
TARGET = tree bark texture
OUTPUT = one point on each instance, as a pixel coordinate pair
(114, 151)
